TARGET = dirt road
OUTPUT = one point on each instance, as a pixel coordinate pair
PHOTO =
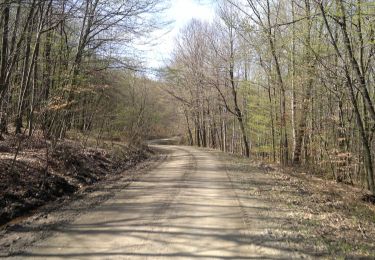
(185, 208)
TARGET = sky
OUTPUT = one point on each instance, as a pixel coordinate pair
(180, 13)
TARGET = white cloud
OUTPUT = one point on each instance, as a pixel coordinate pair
(184, 10)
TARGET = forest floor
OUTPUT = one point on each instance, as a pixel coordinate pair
(38, 176)
(321, 217)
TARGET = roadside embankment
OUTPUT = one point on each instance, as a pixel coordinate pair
(39, 175)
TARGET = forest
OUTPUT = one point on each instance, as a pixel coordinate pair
(282, 81)
(71, 65)
(290, 82)
(253, 138)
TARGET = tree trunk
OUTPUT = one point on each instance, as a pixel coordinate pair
(4, 48)
(308, 90)
(293, 101)
(284, 135)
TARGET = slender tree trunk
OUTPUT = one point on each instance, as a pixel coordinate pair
(224, 132)
(308, 89)
(237, 109)
(4, 47)
(33, 90)
(24, 81)
(3, 65)
(190, 134)
(293, 101)
(272, 123)
(284, 135)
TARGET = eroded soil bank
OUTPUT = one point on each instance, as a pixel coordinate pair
(40, 175)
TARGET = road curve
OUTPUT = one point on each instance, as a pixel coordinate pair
(184, 209)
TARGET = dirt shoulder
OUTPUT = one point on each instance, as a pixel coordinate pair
(24, 231)
(40, 181)
(318, 217)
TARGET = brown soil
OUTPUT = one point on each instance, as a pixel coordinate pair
(35, 178)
